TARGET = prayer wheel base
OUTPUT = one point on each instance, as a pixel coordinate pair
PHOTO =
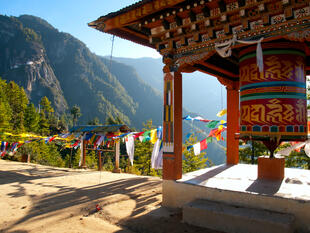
(271, 168)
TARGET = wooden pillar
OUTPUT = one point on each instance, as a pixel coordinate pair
(100, 162)
(84, 155)
(117, 149)
(172, 126)
(232, 124)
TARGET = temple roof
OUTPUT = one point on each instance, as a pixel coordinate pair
(127, 8)
(187, 33)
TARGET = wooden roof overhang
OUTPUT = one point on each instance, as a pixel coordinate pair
(185, 32)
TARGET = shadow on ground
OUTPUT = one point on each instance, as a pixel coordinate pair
(135, 189)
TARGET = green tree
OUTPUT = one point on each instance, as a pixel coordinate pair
(48, 120)
(46, 107)
(94, 121)
(143, 154)
(42, 153)
(5, 109)
(192, 162)
(76, 113)
(110, 120)
(32, 119)
(44, 125)
(257, 149)
(18, 101)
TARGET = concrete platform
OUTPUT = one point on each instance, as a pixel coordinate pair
(235, 219)
(238, 185)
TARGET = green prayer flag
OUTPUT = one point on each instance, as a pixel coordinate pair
(212, 124)
(209, 139)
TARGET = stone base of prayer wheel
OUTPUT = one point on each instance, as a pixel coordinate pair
(270, 168)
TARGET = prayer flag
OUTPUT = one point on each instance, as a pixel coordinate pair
(91, 140)
(146, 136)
(130, 148)
(153, 136)
(212, 124)
(209, 139)
(197, 118)
(88, 136)
(51, 139)
(221, 113)
(198, 147)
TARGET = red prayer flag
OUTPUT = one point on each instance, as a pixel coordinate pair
(203, 144)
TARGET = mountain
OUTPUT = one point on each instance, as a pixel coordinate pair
(202, 93)
(25, 61)
(50, 63)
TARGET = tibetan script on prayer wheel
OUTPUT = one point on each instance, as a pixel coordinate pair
(273, 102)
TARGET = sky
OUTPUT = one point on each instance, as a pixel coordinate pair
(72, 16)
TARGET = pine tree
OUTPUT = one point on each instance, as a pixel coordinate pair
(94, 121)
(110, 120)
(18, 101)
(192, 162)
(44, 125)
(5, 109)
(32, 119)
(46, 107)
(143, 154)
(76, 113)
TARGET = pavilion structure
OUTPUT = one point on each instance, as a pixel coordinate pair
(258, 49)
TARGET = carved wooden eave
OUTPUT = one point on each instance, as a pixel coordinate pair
(186, 32)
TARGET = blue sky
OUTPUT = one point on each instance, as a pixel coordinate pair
(72, 16)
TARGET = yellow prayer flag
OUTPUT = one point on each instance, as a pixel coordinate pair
(221, 113)
(153, 136)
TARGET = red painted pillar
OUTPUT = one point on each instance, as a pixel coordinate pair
(232, 124)
(172, 126)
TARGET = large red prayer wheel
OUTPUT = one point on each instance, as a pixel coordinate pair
(273, 103)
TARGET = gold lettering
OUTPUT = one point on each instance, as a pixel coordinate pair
(253, 72)
(246, 113)
(275, 115)
(245, 74)
(300, 70)
(301, 112)
(287, 70)
(258, 113)
(274, 68)
(288, 114)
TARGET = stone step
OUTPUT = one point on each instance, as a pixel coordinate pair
(236, 219)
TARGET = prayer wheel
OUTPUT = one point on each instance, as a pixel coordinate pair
(273, 103)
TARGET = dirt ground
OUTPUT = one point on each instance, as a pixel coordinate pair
(36, 198)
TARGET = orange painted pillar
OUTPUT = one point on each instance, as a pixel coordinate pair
(172, 126)
(232, 125)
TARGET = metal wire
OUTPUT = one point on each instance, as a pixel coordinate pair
(111, 52)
